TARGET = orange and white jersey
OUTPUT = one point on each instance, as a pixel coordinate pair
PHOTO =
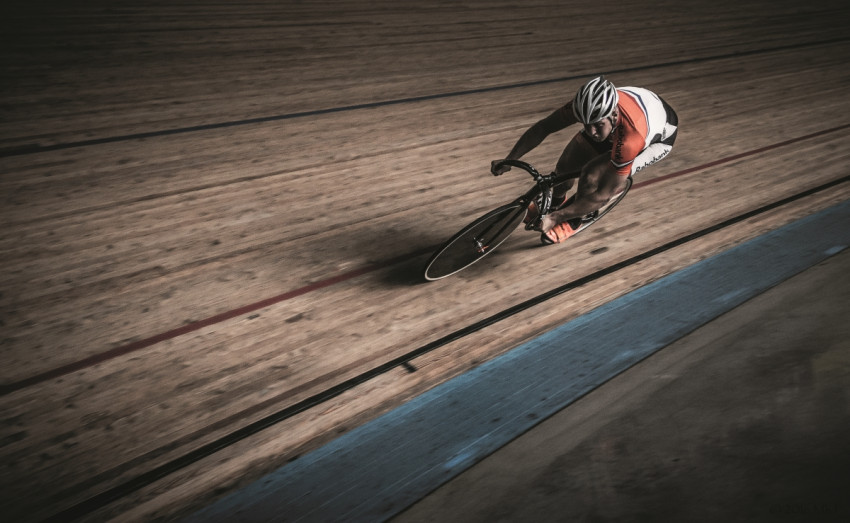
(645, 119)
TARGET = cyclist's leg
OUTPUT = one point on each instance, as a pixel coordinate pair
(598, 183)
(654, 153)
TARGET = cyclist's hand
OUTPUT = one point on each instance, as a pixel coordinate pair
(500, 170)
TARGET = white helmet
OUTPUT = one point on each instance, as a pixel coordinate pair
(595, 100)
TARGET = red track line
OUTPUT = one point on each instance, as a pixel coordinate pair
(218, 318)
(191, 327)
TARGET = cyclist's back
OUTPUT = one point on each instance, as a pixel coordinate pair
(646, 120)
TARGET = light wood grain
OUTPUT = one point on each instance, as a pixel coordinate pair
(113, 241)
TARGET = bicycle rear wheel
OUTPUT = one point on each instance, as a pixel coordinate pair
(593, 217)
(475, 241)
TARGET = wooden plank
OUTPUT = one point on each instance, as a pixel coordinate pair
(124, 240)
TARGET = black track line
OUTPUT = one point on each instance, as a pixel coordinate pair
(35, 148)
(104, 498)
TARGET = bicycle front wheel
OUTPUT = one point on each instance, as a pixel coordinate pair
(476, 240)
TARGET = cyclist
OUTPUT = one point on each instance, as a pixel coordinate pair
(625, 130)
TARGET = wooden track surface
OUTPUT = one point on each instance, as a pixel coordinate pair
(214, 212)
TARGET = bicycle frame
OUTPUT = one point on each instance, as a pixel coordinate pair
(487, 232)
(543, 184)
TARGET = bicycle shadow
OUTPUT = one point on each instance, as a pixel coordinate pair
(409, 272)
(404, 269)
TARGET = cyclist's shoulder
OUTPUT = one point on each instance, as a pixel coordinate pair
(637, 91)
(641, 105)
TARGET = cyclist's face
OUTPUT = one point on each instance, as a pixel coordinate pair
(600, 130)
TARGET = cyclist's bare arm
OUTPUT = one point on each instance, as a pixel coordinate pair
(560, 119)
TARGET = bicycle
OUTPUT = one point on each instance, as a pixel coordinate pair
(482, 236)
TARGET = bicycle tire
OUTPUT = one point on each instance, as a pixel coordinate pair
(602, 211)
(475, 241)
